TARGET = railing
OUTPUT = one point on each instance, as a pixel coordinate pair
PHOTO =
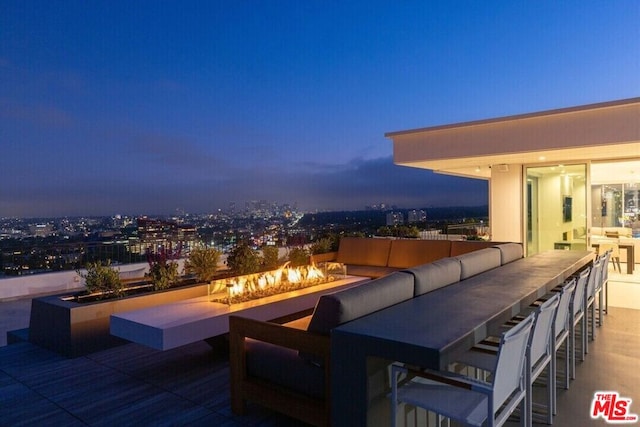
(48, 283)
(47, 257)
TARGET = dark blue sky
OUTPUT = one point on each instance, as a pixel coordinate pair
(145, 106)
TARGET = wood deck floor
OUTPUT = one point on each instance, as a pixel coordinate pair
(135, 385)
(126, 385)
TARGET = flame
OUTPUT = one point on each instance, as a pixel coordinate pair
(294, 275)
(262, 281)
(259, 283)
(314, 273)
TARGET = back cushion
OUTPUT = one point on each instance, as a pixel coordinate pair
(340, 307)
(459, 247)
(509, 252)
(410, 253)
(364, 251)
(477, 262)
(437, 274)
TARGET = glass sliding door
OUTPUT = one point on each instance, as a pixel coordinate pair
(615, 198)
(556, 198)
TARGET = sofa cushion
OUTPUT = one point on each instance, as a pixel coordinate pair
(477, 262)
(406, 253)
(283, 366)
(459, 247)
(364, 251)
(349, 304)
(509, 252)
(434, 275)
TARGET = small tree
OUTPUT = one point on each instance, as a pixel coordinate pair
(101, 278)
(163, 270)
(322, 246)
(163, 275)
(243, 259)
(298, 257)
(203, 262)
(270, 259)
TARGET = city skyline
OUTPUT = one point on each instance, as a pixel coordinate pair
(130, 108)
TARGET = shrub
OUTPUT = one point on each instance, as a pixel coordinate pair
(162, 270)
(270, 259)
(163, 275)
(399, 231)
(102, 279)
(321, 246)
(298, 257)
(243, 259)
(203, 262)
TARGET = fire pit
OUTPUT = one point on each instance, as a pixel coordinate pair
(284, 279)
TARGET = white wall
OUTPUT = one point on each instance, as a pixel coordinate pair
(506, 204)
(550, 225)
(552, 190)
(47, 283)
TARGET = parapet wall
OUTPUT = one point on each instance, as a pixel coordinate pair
(47, 283)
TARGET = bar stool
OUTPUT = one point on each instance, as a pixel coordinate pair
(443, 392)
(539, 354)
(603, 288)
(561, 332)
(593, 283)
(577, 316)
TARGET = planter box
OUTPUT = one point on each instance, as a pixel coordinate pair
(74, 329)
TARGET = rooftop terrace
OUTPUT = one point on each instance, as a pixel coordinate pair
(135, 385)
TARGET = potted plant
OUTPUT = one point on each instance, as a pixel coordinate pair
(66, 325)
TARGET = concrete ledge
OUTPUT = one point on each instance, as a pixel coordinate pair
(172, 325)
(74, 329)
(18, 336)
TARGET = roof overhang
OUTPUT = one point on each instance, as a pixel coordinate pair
(603, 131)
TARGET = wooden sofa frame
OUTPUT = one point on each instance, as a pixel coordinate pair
(243, 387)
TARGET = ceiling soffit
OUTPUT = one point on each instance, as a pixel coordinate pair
(605, 131)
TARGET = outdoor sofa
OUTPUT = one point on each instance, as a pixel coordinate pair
(377, 257)
(286, 367)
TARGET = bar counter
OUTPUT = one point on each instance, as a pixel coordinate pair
(432, 329)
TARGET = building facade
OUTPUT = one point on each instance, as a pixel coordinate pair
(557, 179)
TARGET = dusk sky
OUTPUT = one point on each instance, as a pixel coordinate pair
(145, 107)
